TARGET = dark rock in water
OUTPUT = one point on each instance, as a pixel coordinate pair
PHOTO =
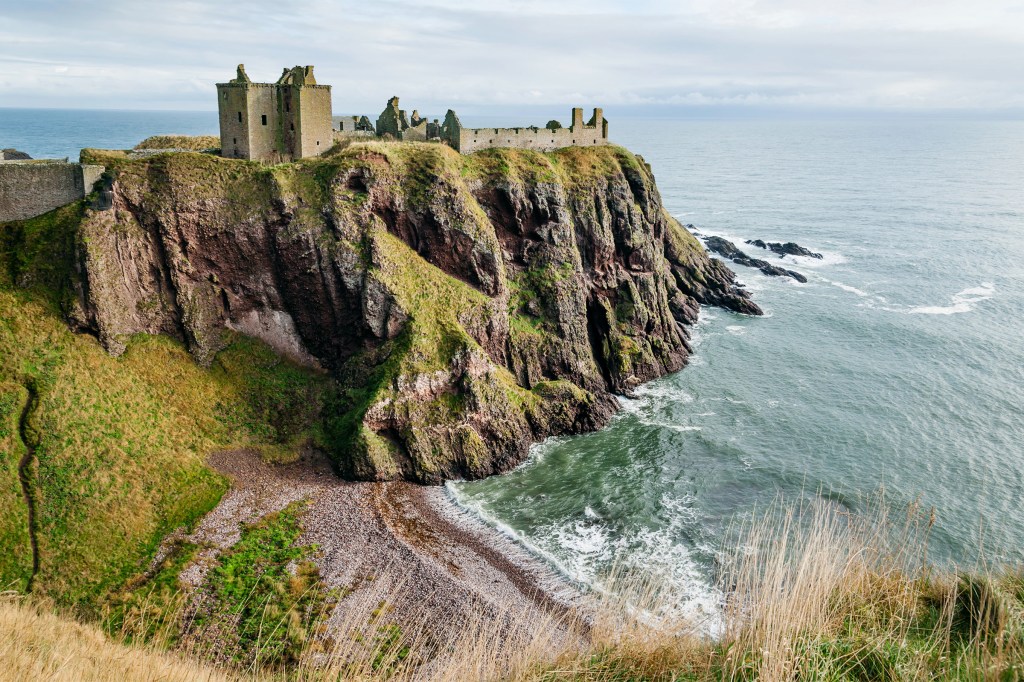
(787, 249)
(723, 247)
(13, 155)
(773, 270)
(727, 249)
(701, 280)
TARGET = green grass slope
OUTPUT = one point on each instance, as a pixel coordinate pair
(119, 443)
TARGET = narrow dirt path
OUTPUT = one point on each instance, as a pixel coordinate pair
(30, 439)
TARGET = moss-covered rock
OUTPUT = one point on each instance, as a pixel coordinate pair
(468, 305)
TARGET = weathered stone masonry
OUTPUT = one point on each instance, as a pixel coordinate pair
(469, 140)
(282, 121)
(31, 188)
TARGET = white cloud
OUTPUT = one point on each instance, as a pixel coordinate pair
(887, 54)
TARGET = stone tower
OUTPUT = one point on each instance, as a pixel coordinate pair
(274, 122)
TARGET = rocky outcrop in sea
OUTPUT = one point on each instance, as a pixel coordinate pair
(727, 249)
(787, 249)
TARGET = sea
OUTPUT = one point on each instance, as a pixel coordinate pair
(896, 373)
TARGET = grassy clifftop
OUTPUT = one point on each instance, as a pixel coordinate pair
(106, 454)
(460, 307)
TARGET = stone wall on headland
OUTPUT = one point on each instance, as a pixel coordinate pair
(31, 188)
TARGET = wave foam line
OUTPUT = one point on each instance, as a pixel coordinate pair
(961, 302)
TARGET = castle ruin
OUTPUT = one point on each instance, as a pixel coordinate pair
(552, 136)
(282, 121)
(292, 119)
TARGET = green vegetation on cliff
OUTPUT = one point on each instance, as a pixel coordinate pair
(118, 444)
(197, 143)
(440, 289)
(461, 307)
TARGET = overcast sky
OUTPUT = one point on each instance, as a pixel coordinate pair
(662, 55)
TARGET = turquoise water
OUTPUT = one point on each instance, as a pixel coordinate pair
(899, 364)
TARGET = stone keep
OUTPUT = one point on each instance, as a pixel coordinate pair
(275, 122)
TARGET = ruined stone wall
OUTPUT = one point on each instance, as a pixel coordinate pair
(417, 133)
(265, 133)
(469, 140)
(345, 124)
(541, 139)
(31, 188)
(315, 129)
(233, 107)
(342, 135)
(348, 127)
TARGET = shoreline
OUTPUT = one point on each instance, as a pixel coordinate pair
(399, 554)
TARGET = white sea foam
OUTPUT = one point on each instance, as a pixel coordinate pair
(480, 511)
(584, 548)
(539, 450)
(648, 403)
(961, 302)
(588, 549)
(847, 287)
(736, 330)
(672, 427)
(753, 285)
(588, 539)
(827, 258)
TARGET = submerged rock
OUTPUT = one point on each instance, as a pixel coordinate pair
(787, 249)
(727, 249)
(467, 306)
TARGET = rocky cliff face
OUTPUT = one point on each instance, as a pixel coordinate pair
(467, 306)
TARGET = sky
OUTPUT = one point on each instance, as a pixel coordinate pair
(483, 56)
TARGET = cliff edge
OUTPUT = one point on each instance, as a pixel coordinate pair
(466, 306)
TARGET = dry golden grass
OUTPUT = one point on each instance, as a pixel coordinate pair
(35, 644)
(196, 143)
(813, 593)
